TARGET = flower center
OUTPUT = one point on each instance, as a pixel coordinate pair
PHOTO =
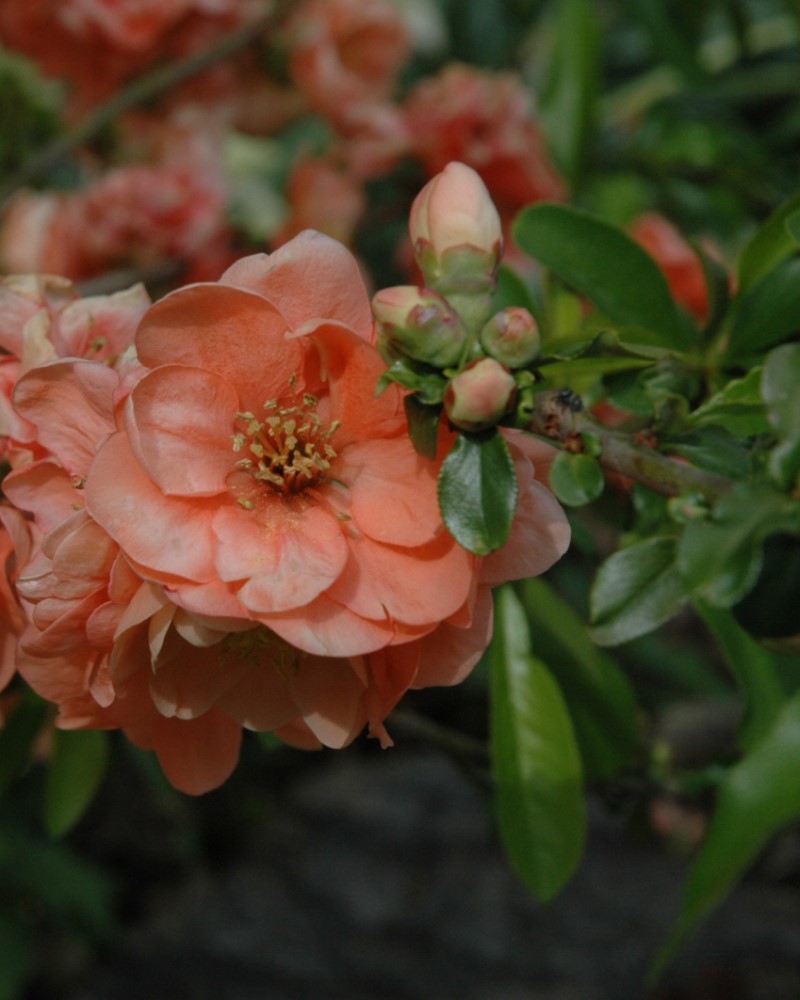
(289, 449)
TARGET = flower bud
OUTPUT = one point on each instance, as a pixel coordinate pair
(455, 230)
(480, 395)
(419, 323)
(511, 336)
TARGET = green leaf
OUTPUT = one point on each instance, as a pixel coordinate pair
(719, 559)
(423, 425)
(428, 385)
(712, 448)
(601, 262)
(576, 479)
(755, 672)
(77, 764)
(513, 291)
(478, 492)
(636, 590)
(770, 244)
(600, 700)
(539, 801)
(779, 384)
(767, 313)
(757, 797)
(568, 89)
(737, 406)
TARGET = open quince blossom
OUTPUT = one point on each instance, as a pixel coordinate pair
(237, 532)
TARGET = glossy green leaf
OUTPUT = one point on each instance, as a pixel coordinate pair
(719, 559)
(768, 313)
(539, 801)
(771, 243)
(513, 291)
(77, 765)
(478, 492)
(600, 700)
(604, 264)
(576, 479)
(754, 669)
(568, 89)
(712, 448)
(757, 797)
(636, 590)
(738, 406)
(423, 425)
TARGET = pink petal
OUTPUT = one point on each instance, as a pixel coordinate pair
(180, 423)
(449, 653)
(330, 698)
(166, 535)
(288, 552)
(259, 698)
(191, 680)
(233, 333)
(197, 755)
(325, 628)
(72, 404)
(539, 537)
(45, 489)
(413, 586)
(393, 494)
(310, 276)
(352, 367)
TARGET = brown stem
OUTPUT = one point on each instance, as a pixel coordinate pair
(143, 89)
(555, 418)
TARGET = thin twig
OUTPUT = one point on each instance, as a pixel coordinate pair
(555, 418)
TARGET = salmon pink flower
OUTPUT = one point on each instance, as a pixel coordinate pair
(345, 54)
(257, 476)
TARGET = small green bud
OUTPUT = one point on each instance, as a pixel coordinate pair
(512, 337)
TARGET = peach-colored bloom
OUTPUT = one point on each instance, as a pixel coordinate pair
(268, 482)
(43, 318)
(345, 54)
(483, 119)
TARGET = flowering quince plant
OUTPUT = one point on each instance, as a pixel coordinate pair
(232, 530)
(277, 493)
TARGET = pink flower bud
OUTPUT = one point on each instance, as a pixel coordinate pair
(480, 395)
(454, 217)
(511, 336)
(419, 323)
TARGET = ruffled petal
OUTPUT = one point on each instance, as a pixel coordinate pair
(164, 535)
(414, 586)
(310, 276)
(72, 405)
(234, 333)
(325, 628)
(180, 424)
(288, 552)
(393, 494)
(329, 695)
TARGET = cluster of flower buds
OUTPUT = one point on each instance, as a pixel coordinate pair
(448, 324)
